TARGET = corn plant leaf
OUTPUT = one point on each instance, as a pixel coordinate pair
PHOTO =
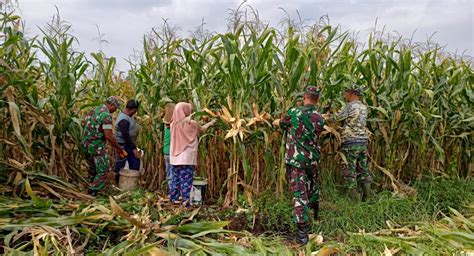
(120, 212)
(227, 248)
(8, 238)
(144, 249)
(182, 243)
(30, 192)
(194, 228)
(119, 248)
(15, 117)
(211, 231)
(381, 110)
(45, 221)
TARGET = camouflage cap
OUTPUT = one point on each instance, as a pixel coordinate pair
(312, 90)
(356, 89)
(114, 100)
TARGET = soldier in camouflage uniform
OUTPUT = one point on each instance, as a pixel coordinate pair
(303, 125)
(354, 138)
(97, 128)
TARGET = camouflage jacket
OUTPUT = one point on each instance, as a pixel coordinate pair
(93, 136)
(303, 125)
(354, 118)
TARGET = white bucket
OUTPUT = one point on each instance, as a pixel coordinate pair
(198, 192)
(128, 179)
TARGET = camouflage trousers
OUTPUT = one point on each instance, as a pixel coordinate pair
(98, 166)
(304, 187)
(355, 168)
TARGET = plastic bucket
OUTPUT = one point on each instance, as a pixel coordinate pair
(198, 192)
(128, 179)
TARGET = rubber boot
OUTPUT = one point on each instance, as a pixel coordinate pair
(366, 191)
(315, 207)
(302, 237)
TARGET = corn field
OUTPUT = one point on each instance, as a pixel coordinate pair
(420, 100)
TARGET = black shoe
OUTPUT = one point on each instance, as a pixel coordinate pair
(117, 179)
(302, 234)
(93, 192)
(366, 191)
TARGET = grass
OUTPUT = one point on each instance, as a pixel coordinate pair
(440, 194)
(346, 216)
(340, 215)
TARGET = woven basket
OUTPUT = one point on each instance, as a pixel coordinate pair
(128, 179)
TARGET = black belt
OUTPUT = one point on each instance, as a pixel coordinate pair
(362, 142)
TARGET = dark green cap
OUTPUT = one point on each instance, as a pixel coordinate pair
(356, 89)
(114, 100)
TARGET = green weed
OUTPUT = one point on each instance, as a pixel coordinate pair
(437, 195)
(339, 215)
(275, 213)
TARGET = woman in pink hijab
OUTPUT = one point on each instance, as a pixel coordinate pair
(183, 151)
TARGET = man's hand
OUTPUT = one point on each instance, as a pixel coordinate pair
(328, 108)
(276, 122)
(122, 153)
(136, 153)
(110, 137)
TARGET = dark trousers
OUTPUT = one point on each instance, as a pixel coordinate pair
(133, 162)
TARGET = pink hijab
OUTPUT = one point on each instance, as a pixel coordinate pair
(183, 131)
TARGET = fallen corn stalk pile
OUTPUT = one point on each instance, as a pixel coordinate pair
(451, 235)
(131, 223)
(20, 182)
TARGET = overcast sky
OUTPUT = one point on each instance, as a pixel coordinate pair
(124, 22)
